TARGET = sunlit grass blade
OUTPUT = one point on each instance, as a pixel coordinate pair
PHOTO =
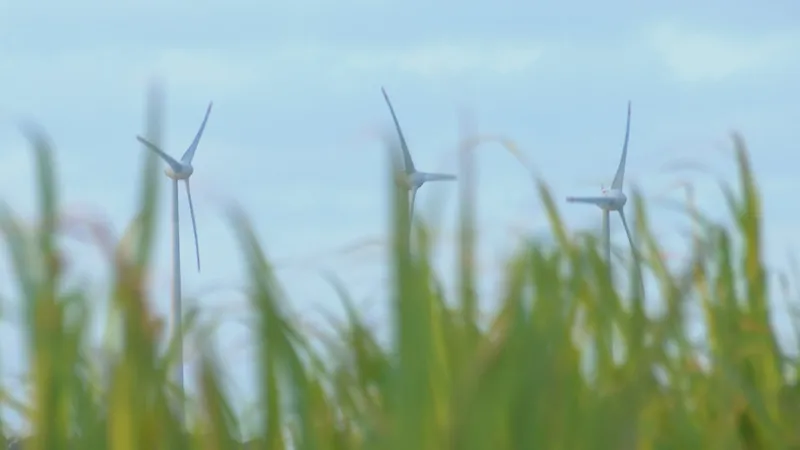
(410, 405)
(147, 213)
(467, 238)
(287, 369)
(217, 430)
(49, 344)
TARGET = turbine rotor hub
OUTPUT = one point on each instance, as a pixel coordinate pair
(184, 173)
(623, 199)
(416, 179)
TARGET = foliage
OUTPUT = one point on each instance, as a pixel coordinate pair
(569, 360)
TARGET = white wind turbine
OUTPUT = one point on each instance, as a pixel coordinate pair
(413, 179)
(180, 170)
(612, 199)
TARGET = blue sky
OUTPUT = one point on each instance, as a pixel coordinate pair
(296, 88)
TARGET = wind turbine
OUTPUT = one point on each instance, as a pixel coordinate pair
(179, 170)
(612, 199)
(412, 179)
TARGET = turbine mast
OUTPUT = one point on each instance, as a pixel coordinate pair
(177, 307)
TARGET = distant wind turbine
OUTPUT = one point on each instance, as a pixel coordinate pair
(413, 179)
(180, 170)
(612, 199)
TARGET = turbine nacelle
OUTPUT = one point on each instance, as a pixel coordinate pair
(617, 198)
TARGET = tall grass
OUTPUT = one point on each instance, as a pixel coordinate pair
(569, 360)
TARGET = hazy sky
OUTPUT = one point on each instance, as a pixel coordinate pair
(296, 88)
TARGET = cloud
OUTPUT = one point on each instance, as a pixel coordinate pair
(704, 57)
(443, 60)
(106, 71)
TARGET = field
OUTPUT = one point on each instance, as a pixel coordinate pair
(568, 361)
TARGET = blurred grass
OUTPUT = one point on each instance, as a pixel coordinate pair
(569, 360)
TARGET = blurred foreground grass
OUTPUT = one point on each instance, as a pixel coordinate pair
(568, 361)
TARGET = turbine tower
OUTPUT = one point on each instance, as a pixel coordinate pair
(412, 179)
(177, 171)
(612, 199)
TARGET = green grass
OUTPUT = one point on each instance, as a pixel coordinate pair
(569, 360)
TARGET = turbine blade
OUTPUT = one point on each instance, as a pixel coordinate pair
(175, 165)
(596, 200)
(413, 200)
(438, 177)
(619, 177)
(188, 155)
(634, 252)
(627, 230)
(606, 237)
(194, 224)
(407, 161)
